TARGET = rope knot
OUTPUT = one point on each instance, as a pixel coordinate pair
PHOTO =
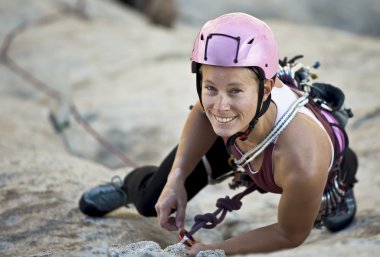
(210, 220)
(229, 204)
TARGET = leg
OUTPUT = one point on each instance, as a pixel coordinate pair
(144, 185)
(349, 167)
(347, 209)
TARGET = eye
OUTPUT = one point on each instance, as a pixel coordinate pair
(210, 88)
(235, 91)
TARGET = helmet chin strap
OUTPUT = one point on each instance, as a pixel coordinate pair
(260, 110)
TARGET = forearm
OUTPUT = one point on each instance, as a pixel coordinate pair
(262, 240)
(196, 139)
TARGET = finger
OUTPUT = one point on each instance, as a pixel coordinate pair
(157, 210)
(180, 216)
(158, 213)
(162, 216)
(193, 252)
(170, 224)
(196, 248)
(164, 220)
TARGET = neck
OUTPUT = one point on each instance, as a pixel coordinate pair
(263, 127)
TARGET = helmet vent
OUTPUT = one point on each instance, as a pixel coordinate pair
(251, 41)
(237, 39)
(266, 65)
(201, 36)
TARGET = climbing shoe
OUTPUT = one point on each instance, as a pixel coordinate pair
(103, 199)
(345, 214)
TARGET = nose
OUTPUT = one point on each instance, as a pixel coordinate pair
(222, 103)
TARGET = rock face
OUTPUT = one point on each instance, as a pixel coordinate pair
(131, 82)
(341, 14)
(159, 12)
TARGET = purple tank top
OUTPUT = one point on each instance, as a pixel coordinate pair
(264, 179)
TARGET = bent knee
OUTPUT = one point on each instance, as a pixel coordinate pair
(146, 208)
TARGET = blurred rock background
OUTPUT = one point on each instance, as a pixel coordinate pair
(348, 15)
(122, 70)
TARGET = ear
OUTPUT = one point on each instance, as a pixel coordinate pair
(268, 85)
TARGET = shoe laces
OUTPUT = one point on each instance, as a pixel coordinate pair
(117, 183)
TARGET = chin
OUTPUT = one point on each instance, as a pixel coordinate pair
(224, 133)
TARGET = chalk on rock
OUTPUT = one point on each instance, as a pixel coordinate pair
(153, 249)
(134, 249)
(176, 250)
(212, 253)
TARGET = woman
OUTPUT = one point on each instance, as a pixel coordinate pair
(242, 104)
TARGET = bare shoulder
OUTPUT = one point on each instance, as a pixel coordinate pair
(303, 152)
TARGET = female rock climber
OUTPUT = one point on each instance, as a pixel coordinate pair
(272, 132)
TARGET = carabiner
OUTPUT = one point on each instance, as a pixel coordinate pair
(183, 238)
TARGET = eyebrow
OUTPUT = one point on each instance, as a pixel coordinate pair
(229, 85)
(208, 81)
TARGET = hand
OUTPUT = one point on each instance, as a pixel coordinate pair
(173, 197)
(196, 248)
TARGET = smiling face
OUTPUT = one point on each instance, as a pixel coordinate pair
(229, 97)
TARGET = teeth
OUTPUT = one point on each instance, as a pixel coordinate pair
(223, 119)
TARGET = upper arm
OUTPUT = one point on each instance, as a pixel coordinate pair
(299, 206)
(196, 139)
(197, 124)
(302, 174)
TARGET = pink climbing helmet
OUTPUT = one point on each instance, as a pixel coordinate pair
(236, 40)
